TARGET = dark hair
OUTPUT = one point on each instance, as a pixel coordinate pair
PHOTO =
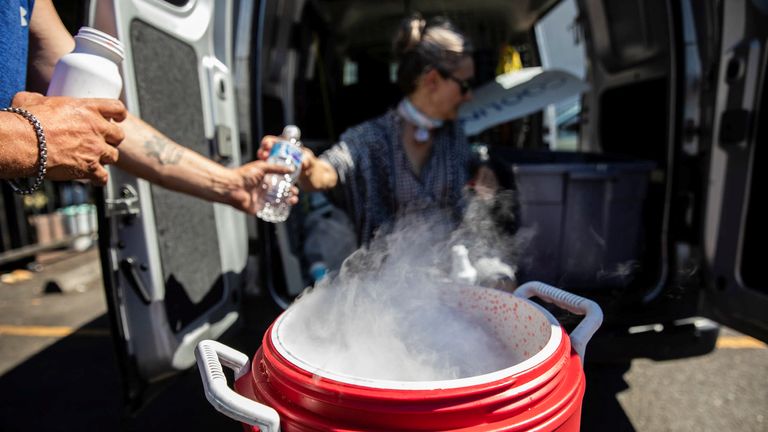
(421, 45)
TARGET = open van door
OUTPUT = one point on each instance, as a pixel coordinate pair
(173, 265)
(682, 83)
(735, 233)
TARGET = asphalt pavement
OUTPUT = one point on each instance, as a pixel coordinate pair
(58, 372)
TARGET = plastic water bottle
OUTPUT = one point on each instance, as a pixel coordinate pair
(318, 270)
(273, 204)
(91, 69)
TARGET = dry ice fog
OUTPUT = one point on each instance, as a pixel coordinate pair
(385, 315)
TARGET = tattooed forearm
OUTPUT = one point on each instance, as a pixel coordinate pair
(164, 151)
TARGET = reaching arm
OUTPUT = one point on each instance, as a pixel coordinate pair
(316, 174)
(149, 154)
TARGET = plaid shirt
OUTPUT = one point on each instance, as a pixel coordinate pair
(376, 181)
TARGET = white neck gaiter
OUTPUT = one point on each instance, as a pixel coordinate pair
(424, 124)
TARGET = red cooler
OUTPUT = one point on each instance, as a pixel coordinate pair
(541, 391)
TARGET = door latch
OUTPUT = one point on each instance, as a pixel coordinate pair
(126, 205)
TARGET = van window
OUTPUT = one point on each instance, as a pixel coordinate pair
(350, 72)
(561, 46)
(177, 2)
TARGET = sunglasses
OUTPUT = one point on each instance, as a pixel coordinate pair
(464, 85)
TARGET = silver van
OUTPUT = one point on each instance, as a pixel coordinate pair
(643, 190)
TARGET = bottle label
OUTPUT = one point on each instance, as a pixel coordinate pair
(284, 150)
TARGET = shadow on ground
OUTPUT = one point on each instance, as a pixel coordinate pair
(74, 385)
(601, 410)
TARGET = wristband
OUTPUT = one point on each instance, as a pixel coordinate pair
(41, 148)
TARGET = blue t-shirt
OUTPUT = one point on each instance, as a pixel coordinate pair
(14, 24)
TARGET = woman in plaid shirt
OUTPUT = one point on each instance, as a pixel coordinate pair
(413, 160)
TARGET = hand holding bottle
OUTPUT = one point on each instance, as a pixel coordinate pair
(80, 134)
(247, 197)
(274, 201)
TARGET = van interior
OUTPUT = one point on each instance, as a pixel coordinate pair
(592, 174)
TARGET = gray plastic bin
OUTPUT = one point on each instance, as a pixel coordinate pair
(586, 215)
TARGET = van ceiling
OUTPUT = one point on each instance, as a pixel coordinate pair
(365, 23)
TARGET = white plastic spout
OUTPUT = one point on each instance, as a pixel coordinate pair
(461, 267)
(292, 132)
(91, 41)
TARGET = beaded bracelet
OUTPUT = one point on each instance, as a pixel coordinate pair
(42, 151)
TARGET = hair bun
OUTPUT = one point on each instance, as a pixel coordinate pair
(420, 46)
(417, 28)
(410, 33)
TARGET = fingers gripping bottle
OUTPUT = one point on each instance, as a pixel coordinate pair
(273, 202)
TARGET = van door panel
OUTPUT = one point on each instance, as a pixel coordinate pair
(734, 240)
(174, 267)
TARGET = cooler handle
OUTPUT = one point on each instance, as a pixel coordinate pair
(210, 356)
(572, 303)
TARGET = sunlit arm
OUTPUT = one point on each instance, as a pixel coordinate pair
(149, 154)
(316, 174)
